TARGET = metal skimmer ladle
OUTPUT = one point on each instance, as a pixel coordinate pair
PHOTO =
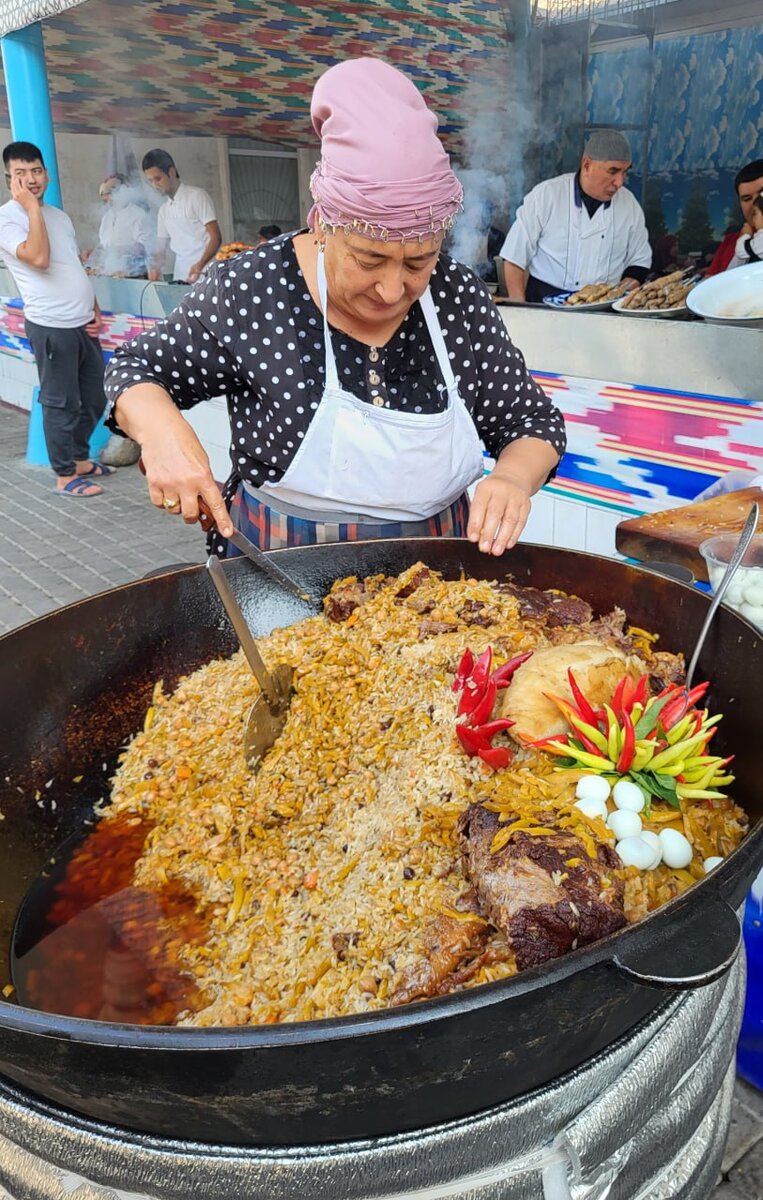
(746, 536)
(269, 711)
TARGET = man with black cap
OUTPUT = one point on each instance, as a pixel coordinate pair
(579, 228)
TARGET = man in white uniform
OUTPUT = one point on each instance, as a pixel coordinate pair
(579, 229)
(186, 224)
(62, 319)
(126, 236)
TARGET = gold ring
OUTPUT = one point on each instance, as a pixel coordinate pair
(168, 504)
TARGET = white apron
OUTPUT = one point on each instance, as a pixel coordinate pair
(377, 462)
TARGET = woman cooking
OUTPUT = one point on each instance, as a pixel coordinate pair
(363, 369)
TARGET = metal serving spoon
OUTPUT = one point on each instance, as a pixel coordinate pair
(269, 711)
(745, 537)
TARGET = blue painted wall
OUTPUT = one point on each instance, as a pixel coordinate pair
(706, 115)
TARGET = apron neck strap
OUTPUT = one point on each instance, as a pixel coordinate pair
(430, 317)
(332, 377)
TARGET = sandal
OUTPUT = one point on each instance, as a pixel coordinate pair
(97, 469)
(79, 487)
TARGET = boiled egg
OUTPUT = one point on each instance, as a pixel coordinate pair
(592, 787)
(652, 840)
(676, 849)
(624, 823)
(712, 862)
(628, 796)
(635, 852)
(592, 808)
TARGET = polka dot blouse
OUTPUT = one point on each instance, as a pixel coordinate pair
(249, 330)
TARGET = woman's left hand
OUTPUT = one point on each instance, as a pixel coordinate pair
(499, 512)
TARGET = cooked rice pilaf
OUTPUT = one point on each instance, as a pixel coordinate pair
(320, 873)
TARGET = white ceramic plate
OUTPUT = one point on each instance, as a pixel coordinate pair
(726, 298)
(559, 302)
(680, 310)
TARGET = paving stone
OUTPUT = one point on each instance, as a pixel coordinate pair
(746, 1129)
(747, 1175)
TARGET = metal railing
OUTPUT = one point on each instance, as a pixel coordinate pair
(554, 12)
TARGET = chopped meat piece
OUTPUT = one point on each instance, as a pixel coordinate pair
(473, 613)
(558, 609)
(341, 943)
(414, 582)
(523, 891)
(447, 943)
(532, 602)
(665, 668)
(493, 954)
(610, 629)
(568, 610)
(429, 628)
(344, 598)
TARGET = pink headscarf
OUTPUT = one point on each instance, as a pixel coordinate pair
(383, 172)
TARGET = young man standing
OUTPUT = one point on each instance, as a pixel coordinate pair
(62, 319)
(186, 223)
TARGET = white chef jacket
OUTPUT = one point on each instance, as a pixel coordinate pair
(59, 296)
(182, 218)
(125, 239)
(555, 239)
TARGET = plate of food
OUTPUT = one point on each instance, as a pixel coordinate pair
(594, 297)
(733, 298)
(663, 297)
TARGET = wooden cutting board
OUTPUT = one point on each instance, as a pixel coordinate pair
(675, 535)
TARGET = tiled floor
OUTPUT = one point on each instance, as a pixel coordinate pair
(55, 550)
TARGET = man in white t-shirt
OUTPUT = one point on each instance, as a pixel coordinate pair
(186, 224)
(62, 319)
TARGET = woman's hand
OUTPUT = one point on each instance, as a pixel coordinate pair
(499, 512)
(177, 469)
(174, 460)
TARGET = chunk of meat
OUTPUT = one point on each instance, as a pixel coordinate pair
(413, 583)
(597, 670)
(556, 608)
(349, 594)
(448, 942)
(430, 628)
(475, 613)
(665, 668)
(543, 906)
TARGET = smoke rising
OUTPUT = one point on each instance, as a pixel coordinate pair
(500, 123)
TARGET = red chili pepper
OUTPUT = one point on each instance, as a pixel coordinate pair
(629, 745)
(496, 757)
(472, 740)
(494, 727)
(584, 708)
(482, 666)
(641, 694)
(463, 670)
(697, 693)
(502, 675)
(484, 707)
(673, 711)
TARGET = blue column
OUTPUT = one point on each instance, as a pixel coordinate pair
(26, 85)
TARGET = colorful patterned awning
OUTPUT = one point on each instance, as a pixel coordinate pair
(246, 68)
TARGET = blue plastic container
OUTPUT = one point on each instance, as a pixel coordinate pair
(36, 450)
(750, 1047)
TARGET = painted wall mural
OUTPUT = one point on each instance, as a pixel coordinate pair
(705, 121)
